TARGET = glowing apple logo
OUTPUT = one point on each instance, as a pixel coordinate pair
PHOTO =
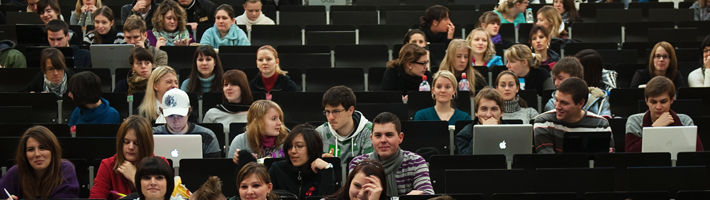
(174, 153)
(502, 145)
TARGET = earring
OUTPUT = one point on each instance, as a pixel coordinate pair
(433, 96)
(410, 67)
(548, 45)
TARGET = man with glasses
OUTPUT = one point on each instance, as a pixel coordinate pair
(568, 67)
(347, 132)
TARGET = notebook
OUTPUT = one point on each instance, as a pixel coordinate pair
(671, 139)
(507, 139)
(178, 147)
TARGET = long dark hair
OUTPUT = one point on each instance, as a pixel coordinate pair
(593, 66)
(32, 185)
(195, 85)
(106, 12)
(706, 43)
(239, 78)
(369, 167)
(314, 144)
(435, 12)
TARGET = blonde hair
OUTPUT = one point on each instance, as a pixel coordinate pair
(276, 56)
(447, 75)
(490, 50)
(80, 3)
(148, 107)
(505, 5)
(520, 52)
(447, 64)
(553, 15)
(255, 124)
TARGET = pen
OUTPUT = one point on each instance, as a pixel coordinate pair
(8, 193)
(117, 193)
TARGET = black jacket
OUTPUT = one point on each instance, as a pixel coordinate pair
(283, 84)
(304, 183)
(642, 76)
(436, 38)
(201, 11)
(82, 57)
(37, 82)
(127, 10)
(395, 79)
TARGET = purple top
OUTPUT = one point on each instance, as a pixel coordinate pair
(413, 174)
(69, 188)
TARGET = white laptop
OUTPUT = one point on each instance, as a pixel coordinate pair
(508, 139)
(111, 56)
(671, 139)
(178, 147)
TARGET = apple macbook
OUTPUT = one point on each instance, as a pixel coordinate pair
(178, 147)
(671, 139)
(111, 56)
(587, 142)
(508, 139)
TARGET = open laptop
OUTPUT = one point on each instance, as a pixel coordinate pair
(671, 139)
(111, 56)
(508, 139)
(178, 147)
(587, 142)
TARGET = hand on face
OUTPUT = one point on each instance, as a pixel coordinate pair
(372, 189)
(450, 32)
(664, 120)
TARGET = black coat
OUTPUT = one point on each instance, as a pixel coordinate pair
(642, 76)
(395, 79)
(285, 176)
(127, 10)
(37, 82)
(202, 12)
(283, 84)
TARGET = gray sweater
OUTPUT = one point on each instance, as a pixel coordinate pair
(224, 115)
(701, 14)
(210, 145)
(514, 111)
(242, 143)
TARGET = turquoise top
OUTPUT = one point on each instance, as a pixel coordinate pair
(235, 37)
(206, 84)
(519, 19)
(429, 114)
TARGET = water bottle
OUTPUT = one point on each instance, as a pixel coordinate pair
(522, 83)
(463, 84)
(529, 16)
(424, 86)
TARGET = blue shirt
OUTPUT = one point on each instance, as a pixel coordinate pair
(429, 114)
(235, 37)
(104, 114)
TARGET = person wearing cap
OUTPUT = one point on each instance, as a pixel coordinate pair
(176, 109)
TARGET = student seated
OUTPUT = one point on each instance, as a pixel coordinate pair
(659, 94)
(406, 172)
(597, 100)
(444, 91)
(405, 73)
(169, 26)
(568, 116)
(526, 65)
(134, 141)
(82, 15)
(347, 132)
(568, 11)
(157, 181)
(416, 36)
(594, 73)
(141, 60)
(10, 57)
(540, 43)
(253, 15)
(254, 182)
(161, 80)
(40, 171)
(58, 35)
(85, 89)
(206, 73)
(488, 111)
(662, 62)
(551, 19)
(303, 172)
(264, 135)
(458, 61)
(236, 99)
(198, 11)
(53, 74)
(366, 181)
(104, 32)
(134, 31)
(225, 32)
(176, 109)
(483, 51)
(508, 85)
(700, 77)
(511, 11)
(270, 78)
(144, 9)
(437, 25)
(490, 21)
(49, 10)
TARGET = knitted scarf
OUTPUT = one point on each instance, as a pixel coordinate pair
(512, 105)
(171, 37)
(59, 88)
(391, 166)
(136, 83)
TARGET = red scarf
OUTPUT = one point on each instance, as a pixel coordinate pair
(473, 62)
(267, 141)
(269, 82)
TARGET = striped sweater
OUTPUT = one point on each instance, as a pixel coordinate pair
(549, 131)
(412, 175)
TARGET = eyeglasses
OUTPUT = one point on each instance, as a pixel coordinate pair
(658, 56)
(423, 64)
(334, 112)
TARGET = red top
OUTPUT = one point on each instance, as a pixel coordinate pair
(633, 142)
(107, 180)
(270, 82)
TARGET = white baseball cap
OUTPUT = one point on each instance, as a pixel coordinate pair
(175, 102)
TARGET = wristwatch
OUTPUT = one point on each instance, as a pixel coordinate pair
(329, 166)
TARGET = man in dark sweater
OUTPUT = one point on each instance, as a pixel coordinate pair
(198, 11)
(176, 109)
(58, 36)
(568, 116)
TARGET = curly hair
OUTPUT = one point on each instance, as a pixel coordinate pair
(163, 9)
